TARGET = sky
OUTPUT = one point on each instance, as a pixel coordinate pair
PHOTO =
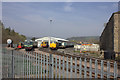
(69, 19)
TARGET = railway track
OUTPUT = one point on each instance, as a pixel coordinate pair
(76, 56)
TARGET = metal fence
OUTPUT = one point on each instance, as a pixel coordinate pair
(18, 64)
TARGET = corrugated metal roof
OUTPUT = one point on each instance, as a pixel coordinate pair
(51, 38)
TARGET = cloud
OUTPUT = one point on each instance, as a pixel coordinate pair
(68, 7)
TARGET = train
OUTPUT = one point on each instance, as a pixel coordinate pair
(54, 45)
(28, 45)
(44, 44)
(60, 45)
(20, 45)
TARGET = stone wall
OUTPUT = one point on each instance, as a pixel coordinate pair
(110, 37)
(106, 39)
(116, 32)
(119, 33)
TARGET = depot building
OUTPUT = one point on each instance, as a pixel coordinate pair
(49, 39)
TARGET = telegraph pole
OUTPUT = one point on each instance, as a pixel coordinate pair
(50, 36)
(50, 63)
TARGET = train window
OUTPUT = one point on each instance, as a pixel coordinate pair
(46, 42)
(28, 43)
(31, 43)
(25, 43)
(52, 42)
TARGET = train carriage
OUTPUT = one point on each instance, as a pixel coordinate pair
(60, 45)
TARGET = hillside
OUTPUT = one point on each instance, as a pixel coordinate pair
(91, 39)
(7, 33)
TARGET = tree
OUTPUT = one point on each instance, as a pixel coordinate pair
(8, 30)
(33, 38)
(8, 33)
(13, 30)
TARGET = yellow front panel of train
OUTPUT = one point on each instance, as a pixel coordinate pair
(44, 44)
(41, 44)
(53, 45)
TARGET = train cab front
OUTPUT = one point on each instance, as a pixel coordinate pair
(53, 46)
(28, 46)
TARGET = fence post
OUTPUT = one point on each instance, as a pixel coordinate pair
(108, 69)
(75, 67)
(71, 70)
(41, 66)
(32, 65)
(90, 74)
(59, 66)
(85, 68)
(80, 68)
(23, 65)
(67, 68)
(29, 65)
(102, 69)
(63, 67)
(96, 68)
(50, 66)
(56, 66)
(36, 65)
(115, 69)
(9, 65)
(47, 66)
(12, 65)
(44, 66)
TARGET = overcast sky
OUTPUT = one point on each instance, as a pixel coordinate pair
(68, 19)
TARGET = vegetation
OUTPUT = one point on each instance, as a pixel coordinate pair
(89, 39)
(8, 33)
(95, 54)
(33, 38)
